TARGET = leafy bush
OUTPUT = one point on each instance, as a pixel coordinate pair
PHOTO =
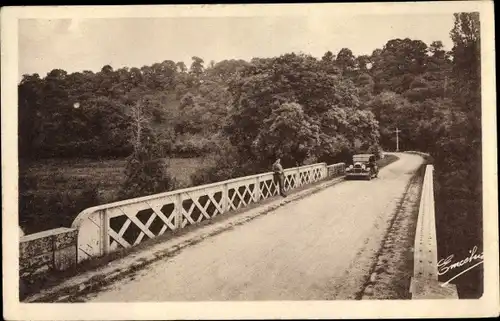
(146, 176)
(226, 165)
(193, 145)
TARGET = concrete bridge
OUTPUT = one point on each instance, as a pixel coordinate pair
(331, 239)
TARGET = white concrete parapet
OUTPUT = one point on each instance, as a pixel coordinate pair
(425, 284)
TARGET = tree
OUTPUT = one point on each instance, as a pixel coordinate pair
(147, 169)
(363, 62)
(203, 111)
(181, 66)
(107, 69)
(146, 176)
(225, 70)
(165, 73)
(140, 120)
(329, 63)
(99, 126)
(438, 59)
(345, 60)
(197, 66)
(289, 133)
(397, 64)
(391, 110)
(466, 54)
(328, 57)
(433, 83)
(345, 131)
(366, 85)
(30, 120)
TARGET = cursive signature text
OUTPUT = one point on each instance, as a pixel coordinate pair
(446, 265)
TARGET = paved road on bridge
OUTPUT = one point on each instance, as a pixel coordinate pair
(318, 248)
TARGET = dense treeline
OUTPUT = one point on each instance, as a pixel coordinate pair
(403, 84)
(243, 113)
(188, 110)
(91, 114)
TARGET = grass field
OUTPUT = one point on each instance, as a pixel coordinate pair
(50, 175)
(53, 191)
(57, 174)
(388, 159)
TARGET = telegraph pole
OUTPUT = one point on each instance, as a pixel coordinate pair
(397, 131)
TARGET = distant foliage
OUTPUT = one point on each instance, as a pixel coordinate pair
(290, 105)
(227, 165)
(86, 114)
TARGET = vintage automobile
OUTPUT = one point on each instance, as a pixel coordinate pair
(364, 166)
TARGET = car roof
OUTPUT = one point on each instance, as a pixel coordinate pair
(362, 155)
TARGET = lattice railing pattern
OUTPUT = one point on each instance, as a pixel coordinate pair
(336, 170)
(108, 227)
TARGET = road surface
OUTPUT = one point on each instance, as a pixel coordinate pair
(319, 248)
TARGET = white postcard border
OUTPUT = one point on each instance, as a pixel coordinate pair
(488, 305)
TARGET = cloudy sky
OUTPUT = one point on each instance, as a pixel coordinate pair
(89, 44)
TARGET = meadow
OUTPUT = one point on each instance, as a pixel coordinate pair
(51, 186)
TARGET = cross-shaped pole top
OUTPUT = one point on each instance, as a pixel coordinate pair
(397, 131)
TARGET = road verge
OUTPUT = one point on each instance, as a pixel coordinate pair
(390, 276)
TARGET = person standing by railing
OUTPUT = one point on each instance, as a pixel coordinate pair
(279, 176)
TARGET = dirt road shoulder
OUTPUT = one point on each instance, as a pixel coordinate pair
(391, 275)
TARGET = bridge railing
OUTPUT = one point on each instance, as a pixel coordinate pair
(109, 227)
(335, 170)
(425, 284)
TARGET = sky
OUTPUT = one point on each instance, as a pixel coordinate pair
(89, 44)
